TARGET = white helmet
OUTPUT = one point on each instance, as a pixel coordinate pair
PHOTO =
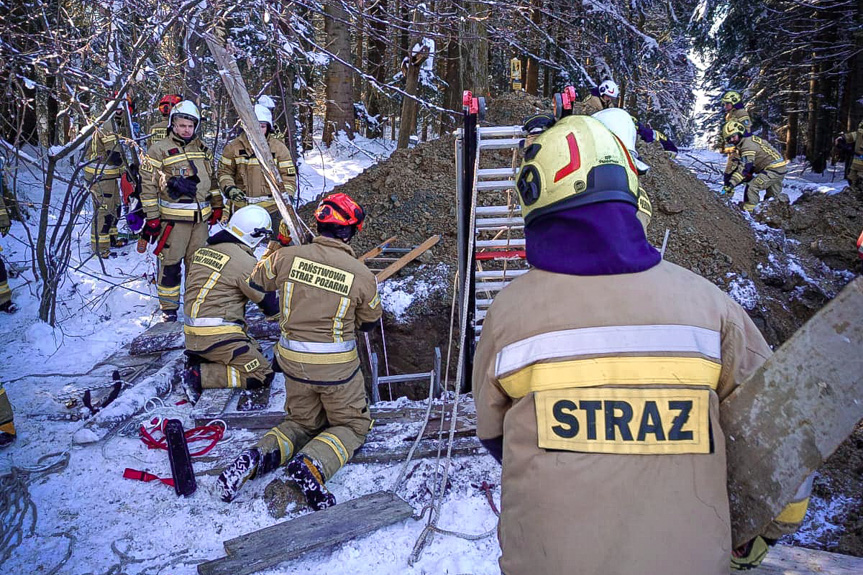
(622, 125)
(185, 109)
(266, 101)
(610, 89)
(264, 114)
(250, 225)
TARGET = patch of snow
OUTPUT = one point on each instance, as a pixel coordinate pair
(743, 291)
(398, 295)
(822, 526)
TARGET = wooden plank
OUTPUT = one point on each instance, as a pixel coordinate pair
(794, 412)
(407, 258)
(376, 251)
(371, 452)
(236, 89)
(212, 405)
(320, 530)
(783, 560)
(164, 336)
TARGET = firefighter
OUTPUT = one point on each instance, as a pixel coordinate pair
(602, 97)
(623, 126)
(732, 103)
(179, 197)
(855, 140)
(761, 166)
(603, 368)
(6, 304)
(7, 424)
(159, 130)
(326, 294)
(241, 177)
(103, 170)
(221, 354)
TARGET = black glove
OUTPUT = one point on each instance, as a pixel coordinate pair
(235, 194)
(726, 179)
(152, 230)
(179, 187)
(538, 123)
(115, 158)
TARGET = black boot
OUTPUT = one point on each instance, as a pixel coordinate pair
(192, 382)
(306, 473)
(250, 464)
(169, 315)
(9, 307)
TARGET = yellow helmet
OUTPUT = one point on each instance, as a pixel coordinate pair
(576, 162)
(731, 97)
(733, 128)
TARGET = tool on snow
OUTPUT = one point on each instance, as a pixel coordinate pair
(181, 461)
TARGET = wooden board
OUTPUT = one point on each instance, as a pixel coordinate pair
(377, 250)
(320, 530)
(391, 269)
(782, 560)
(794, 412)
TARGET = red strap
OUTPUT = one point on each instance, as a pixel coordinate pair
(502, 255)
(137, 475)
(211, 434)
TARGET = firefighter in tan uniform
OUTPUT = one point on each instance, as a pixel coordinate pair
(855, 139)
(761, 166)
(326, 294)
(179, 197)
(599, 396)
(241, 177)
(221, 354)
(103, 171)
(7, 425)
(600, 98)
(159, 130)
(732, 102)
(6, 304)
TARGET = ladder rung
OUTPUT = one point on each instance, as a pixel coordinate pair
(487, 186)
(496, 173)
(500, 222)
(490, 286)
(500, 131)
(513, 242)
(500, 144)
(483, 303)
(479, 314)
(496, 274)
(497, 210)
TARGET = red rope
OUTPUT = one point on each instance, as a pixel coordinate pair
(211, 434)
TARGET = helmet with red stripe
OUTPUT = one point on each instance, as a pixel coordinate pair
(341, 210)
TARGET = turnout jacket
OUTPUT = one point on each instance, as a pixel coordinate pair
(593, 104)
(173, 157)
(325, 293)
(239, 167)
(742, 116)
(158, 132)
(217, 290)
(855, 138)
(106, 154)
(756, 156)
(606, 397)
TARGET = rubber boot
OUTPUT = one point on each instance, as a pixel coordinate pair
(305, 472)
(249, 464)
(192, 381)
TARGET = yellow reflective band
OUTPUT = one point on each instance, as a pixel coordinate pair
(286, 446)
(286, 164)
(152, 162)
(170, 160)
(375, 300)
(318, 358)
(205, 289)
(247, 161)
(212, 330)
(624, 420)
(287, 294)
(794, 512)
(778, 164)
(226, 161)
(188, 214)
(148, 203)
(612, 371)
(8, 428)
(334, 443)
(103, 171)
(338, 319)
(233, 377)
(4, 288)
(162, 290)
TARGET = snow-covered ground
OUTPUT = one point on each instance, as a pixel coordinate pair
(87, 519)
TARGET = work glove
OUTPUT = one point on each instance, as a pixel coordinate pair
(151, 230)
(646, 132)
(235, 194)
(115, 158)
(284, 235)
(179, 187)
(750, 555)
(538, 123)
(726, 189)
(215, 216)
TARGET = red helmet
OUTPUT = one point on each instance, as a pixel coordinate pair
(341, 210)
(167, 102)
(129, 102)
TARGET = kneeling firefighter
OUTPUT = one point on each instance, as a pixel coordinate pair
(221, 354)
(326, 295)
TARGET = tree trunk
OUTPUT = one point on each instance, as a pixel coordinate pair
(531, 76)
(791, 136)
(377, 67)
(473, 54)
(453, 91)
(411, 69)
(339, 90)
